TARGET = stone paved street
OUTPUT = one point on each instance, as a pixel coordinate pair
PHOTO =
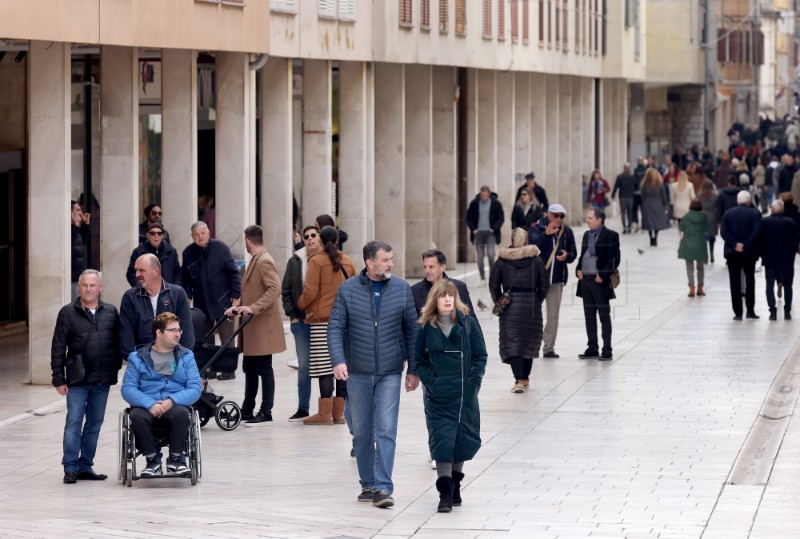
(641, 447)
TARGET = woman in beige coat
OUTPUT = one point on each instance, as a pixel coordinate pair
(326, 271)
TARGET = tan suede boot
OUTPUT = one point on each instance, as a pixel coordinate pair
(700, 291)
(691, 291)
(338, 410)
(324, 416)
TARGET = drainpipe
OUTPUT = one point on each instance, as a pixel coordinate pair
(259, 62)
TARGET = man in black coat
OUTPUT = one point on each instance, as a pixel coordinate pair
(638, 174)
(484, 219)
(86, 333)
(538, 190)
(727, 197)
(600, 257)
(740, 229)
(625, 185)
(551, 234)
(786, 174)
(166, 253)
(211, 280)
(434, 264)
(778, 242)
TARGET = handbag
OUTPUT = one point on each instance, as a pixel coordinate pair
(615, 279)
(504, 300)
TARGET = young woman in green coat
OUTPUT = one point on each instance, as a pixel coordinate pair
(692, 249)
(451, 360)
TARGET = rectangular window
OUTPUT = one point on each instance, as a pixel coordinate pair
(425, 14)
(565, 23)
(283, 6)
(487, 19)
(443, 8)
(722, 45)
(578, 26)
(558, 23)
(461, 17)
(347, 10)
(514, 21)
(525, 22)
(326, 9)
(735, 41)
(501, 20)
(405, 13)
(542, 12)
(549, 23)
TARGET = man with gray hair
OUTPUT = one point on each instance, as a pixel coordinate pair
(151, 296)
(625, 185)
(778, 243)
(740, 230)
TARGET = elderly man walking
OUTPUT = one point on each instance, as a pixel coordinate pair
(778, 241)
(740, 229)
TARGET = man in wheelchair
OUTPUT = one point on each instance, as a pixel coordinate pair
(161, 382)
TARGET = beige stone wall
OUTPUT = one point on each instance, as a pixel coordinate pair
(180, 24)
(673, 48)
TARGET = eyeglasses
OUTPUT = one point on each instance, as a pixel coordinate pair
(174, 330)
(309, 236)
(154, 233)
(558, 215)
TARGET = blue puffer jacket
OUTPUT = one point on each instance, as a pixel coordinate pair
(142, 386)
(370, 343)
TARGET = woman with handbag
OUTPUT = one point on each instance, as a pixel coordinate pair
(326, 271)
(451, 360)
(520, 281)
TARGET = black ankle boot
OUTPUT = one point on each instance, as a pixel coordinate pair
(445, 487)
(457, 477)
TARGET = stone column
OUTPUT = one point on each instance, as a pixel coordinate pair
(552, 178)
(487, 130)
(522, 126)
(448, 215)
(234, 192)
(539, 146)
(317, 145)
(418, 167)
(566, 166)
(505, 187)
(389, 159)
(572, 200)
(637, 124)
(179, 143)
(276, 159)
(49, 248)
(119, 103)
(356, 173)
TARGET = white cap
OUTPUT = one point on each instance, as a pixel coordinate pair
(557, 208)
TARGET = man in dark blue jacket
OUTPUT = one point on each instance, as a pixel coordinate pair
(740, 229)
(151, 297)
(556, 242)
(484, 218)
(211, 280)
(434, 263)
(777, 244)
(372, 332)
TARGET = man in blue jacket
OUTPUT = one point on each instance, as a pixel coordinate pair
(160, 384)
(740, 229)
(372, 332)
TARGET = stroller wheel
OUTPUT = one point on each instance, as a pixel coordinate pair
(228, 415)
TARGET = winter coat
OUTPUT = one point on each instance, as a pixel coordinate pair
(136, 316)
(694, 226)
(521, 270)
(97, 342)
(777, 242)
(721, 176)
(80, 237)
(741, 224)
(538, 192)
(421, 290)
(292, 286)
(496, 217)
(537, 236)
(370, 342)
(653, 201)
(523, 219)
(710, 211)
(211, 278)
(451, 370)
(596, 194)
(321, 284)
(726, 200)
(142, 386)
(144, 225)
(261, 290)
(608, 258)
(681, 199)
(167, 256)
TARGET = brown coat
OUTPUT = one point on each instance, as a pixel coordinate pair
(261, 291)
(321, 284)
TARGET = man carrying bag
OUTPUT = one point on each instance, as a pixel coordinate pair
(85, 359)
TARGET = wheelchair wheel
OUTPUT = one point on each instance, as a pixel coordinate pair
(195, 448)
(122, 461)
(228, 415)
(129, 477)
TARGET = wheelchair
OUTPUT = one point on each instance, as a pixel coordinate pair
(126, 463)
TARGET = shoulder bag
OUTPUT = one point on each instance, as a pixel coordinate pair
(504, 300)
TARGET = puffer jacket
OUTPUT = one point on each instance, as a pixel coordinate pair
(142, 386)
(521, 270)
(102, 358)
(370, 342)
(451, 369)
(321, 284)
(167, 256)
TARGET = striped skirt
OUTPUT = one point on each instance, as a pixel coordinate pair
(320, 359)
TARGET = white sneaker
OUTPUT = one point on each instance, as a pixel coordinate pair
(292, 363)
(433, 464)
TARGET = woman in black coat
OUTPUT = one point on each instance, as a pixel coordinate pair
(451, 360)
(527, 210)
(519, 269)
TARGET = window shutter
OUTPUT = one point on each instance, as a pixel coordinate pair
(347, 10)
(461, 17)
(487, 19)
(443, 7)
(405, 15)
(541, 21)
(514, 21)
(425, 14)
(526, 21)
(565, 36)
(326, 9)
(734, 40)
(722, 46)
(501, 20)
(558, 23)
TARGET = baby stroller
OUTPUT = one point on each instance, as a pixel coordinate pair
(211, 358)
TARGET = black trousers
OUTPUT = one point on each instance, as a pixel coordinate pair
(784, 276)
(256, 367)
(596, 303)
(521, 367)
(175, 421)
(736, 265)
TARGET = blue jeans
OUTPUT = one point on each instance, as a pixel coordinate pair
(80, 439)
(374, 402)
(302, 344)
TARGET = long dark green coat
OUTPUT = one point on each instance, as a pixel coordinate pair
(451, 369)
(694, 226)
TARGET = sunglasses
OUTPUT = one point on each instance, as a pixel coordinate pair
(558, 215)
(155, 212)
(154, 233)
(309, 236)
